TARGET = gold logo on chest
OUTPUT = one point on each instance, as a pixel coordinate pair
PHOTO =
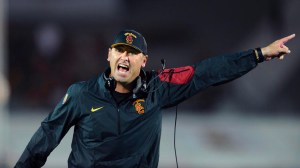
(138, 106)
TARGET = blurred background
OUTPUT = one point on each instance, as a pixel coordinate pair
(252, 122)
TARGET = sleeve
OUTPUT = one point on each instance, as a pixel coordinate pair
(53, 128)
(178, 84)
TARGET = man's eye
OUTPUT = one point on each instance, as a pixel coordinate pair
(133, 52)
(118, 49)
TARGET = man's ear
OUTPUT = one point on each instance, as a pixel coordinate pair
(109, 54)
(145, 61)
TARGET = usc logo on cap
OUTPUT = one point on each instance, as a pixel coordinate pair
(129, 37)
(138, 106)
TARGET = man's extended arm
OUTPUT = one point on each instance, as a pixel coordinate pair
(50, 133)
(184, 82)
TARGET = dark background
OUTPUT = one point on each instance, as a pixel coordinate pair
(250, 122)
(52, 44)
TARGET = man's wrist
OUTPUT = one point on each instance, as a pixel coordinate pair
(259, 55)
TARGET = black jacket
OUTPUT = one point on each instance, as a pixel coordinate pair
(108, 135)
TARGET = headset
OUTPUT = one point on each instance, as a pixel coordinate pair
(141, 81)
(140, 87)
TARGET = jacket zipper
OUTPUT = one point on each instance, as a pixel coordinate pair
(118, 115)
(117, 105)
(119, 122)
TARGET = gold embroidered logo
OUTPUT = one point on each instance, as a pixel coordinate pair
(138, 106)
(95, 109)
(129, 37)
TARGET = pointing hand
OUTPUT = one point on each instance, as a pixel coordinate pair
(277, 48)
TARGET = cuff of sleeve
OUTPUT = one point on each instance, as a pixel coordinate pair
(259, 56)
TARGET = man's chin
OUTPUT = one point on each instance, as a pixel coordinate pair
(122, 80)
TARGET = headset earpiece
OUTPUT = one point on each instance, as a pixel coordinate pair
(138, 85)
(143, 76)
(141, 84)
(110, 82)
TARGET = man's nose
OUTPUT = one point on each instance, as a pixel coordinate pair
(124, 55)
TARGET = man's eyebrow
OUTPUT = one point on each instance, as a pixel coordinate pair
(133, 50)
(128, 48)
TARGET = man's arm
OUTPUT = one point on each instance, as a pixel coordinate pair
(184, 82)
(51, 131)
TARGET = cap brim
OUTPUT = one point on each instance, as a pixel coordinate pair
(117, 44)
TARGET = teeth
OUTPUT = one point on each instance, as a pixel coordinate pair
(123, 66)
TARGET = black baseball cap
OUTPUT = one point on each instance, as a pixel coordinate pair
(131, 38)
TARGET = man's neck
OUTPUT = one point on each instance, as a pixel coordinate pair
(122, 88)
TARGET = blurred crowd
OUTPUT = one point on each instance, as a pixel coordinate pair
(45, 59)
(49, 47)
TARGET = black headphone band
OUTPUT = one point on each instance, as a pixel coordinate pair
(110, 82)
(106, 74)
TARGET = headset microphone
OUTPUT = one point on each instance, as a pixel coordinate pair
(163, 64)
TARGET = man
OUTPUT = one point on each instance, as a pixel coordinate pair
(117, 116)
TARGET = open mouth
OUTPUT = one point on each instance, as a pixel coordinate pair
(123, 68)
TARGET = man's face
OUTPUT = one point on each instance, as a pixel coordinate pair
(125, 63)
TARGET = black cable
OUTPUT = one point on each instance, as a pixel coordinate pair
(175, 136)
(166, 76)
(163, 66)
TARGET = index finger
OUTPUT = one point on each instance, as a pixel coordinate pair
(287, 38)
